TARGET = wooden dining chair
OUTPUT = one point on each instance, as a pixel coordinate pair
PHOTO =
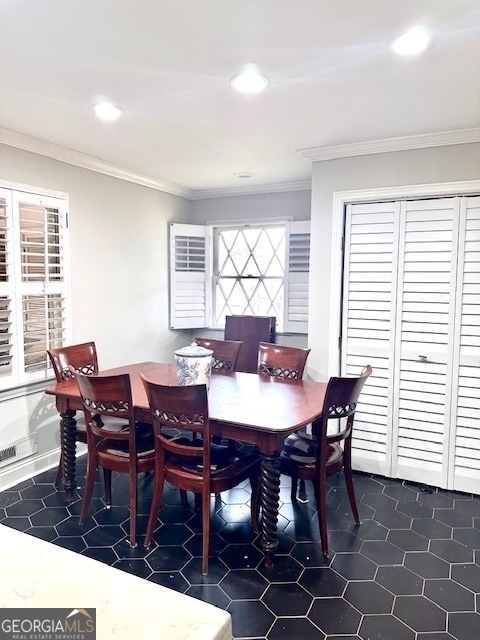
(225, 353)
(188, 462)
(225, 356)
(128, 450)
(281, 362)
(83, 358)
(330, 456)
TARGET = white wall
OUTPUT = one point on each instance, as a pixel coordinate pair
(421, 166)
(119, 283)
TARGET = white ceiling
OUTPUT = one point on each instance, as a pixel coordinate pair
(168, 64)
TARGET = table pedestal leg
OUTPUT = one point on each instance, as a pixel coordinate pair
(68, 430)
(270, 484)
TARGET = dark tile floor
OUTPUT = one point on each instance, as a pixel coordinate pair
(410, 571)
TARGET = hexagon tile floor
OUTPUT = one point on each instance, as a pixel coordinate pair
(410, 571)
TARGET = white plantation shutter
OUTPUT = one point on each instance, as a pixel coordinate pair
(425, 330)
(188, 277)
(371, 239)
(465, 417)
(411, 308)
(6, 286)
(296, 281)
(33, 285)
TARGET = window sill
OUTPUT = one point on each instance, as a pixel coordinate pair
(25, 389)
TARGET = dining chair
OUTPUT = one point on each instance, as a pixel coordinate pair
(187, 461)
(225, 356)
(128, 450)
(225, 353)
(330, 456)
(83, 358)
(281, 362)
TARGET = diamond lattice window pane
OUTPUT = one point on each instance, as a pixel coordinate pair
(250, 269)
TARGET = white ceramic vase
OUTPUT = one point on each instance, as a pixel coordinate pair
(194, 365)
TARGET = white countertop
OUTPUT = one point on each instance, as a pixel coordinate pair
(36, 573)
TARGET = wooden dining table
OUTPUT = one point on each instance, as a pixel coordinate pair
(246, 407)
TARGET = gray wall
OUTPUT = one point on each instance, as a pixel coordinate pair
(269, 205)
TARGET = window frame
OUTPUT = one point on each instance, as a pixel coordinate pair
(45, 288)
(192, 290)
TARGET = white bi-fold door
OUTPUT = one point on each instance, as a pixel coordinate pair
(411, 297)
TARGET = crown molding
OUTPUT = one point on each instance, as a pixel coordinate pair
(64, 154)
(314, 154)
(204, 194)
(444, 138)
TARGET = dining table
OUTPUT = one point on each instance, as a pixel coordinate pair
(245, 407)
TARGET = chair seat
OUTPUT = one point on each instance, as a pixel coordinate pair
(235, 466)
(301, 448)
(111, 424)
(145, 442)
(308, 462)
(222, 457)
(221, 478)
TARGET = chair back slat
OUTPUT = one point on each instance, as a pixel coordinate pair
(341, 399)
(225, 352)
(280, 361)
(82, 357)
(107, 396)
(183, 408)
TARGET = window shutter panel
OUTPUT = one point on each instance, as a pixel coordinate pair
(296, 277)
(371, 239)
(188, 276)
(465, 416)
(423, 371)
(34, 302)
(6, 287)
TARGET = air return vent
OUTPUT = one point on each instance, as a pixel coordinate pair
(19, 449)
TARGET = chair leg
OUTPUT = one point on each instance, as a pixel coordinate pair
(184, 499)
(90, 481)
(133, 507)
(198, 502)
(58, 480)
(320, 495)
(205, 531)
(107, 483)
(347, 470)
(293, 490)
(155, 507)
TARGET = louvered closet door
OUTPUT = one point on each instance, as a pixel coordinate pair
(371, 241)
(425, 297)
(464, 474)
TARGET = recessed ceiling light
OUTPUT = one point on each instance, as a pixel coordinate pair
(244, 174)
(250, 82)
(411, 42)
(106, 111)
